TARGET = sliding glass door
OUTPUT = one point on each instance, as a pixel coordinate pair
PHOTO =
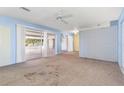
(33, 44)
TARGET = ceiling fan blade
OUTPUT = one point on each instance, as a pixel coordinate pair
(59, 17)
(25, 9)
(64, 21)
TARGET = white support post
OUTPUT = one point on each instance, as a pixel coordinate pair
(44, 48)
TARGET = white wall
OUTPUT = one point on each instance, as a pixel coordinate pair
(4, 46)
(64, 44)
(100, 43)
(122, 44)
(70, 43)
(20, 43)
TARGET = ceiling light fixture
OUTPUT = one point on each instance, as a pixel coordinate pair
(75, 31)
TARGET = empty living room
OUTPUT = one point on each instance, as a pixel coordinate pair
(61, 46)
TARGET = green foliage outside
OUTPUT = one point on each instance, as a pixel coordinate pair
(33, 42)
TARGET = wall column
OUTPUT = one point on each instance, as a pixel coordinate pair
(45, 46)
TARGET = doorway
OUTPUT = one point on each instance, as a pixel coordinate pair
(33, 44)
(76, 42)
(64, 43)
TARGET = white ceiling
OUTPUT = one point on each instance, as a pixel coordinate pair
(81, 16)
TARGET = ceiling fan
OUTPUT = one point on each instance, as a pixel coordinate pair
(25, 9)
(60, 17)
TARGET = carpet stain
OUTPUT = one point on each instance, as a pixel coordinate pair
(30, 75)
(42, 73)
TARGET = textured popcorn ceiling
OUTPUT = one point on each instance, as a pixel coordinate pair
(82, 17)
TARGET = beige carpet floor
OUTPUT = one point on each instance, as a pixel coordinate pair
(62, 70)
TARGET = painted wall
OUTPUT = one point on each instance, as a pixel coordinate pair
(100, 43)
(58, 43)
(11, 24)
(20, 44)
(70, 42)
(4, 45)
(76, 41)
(121, 41)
